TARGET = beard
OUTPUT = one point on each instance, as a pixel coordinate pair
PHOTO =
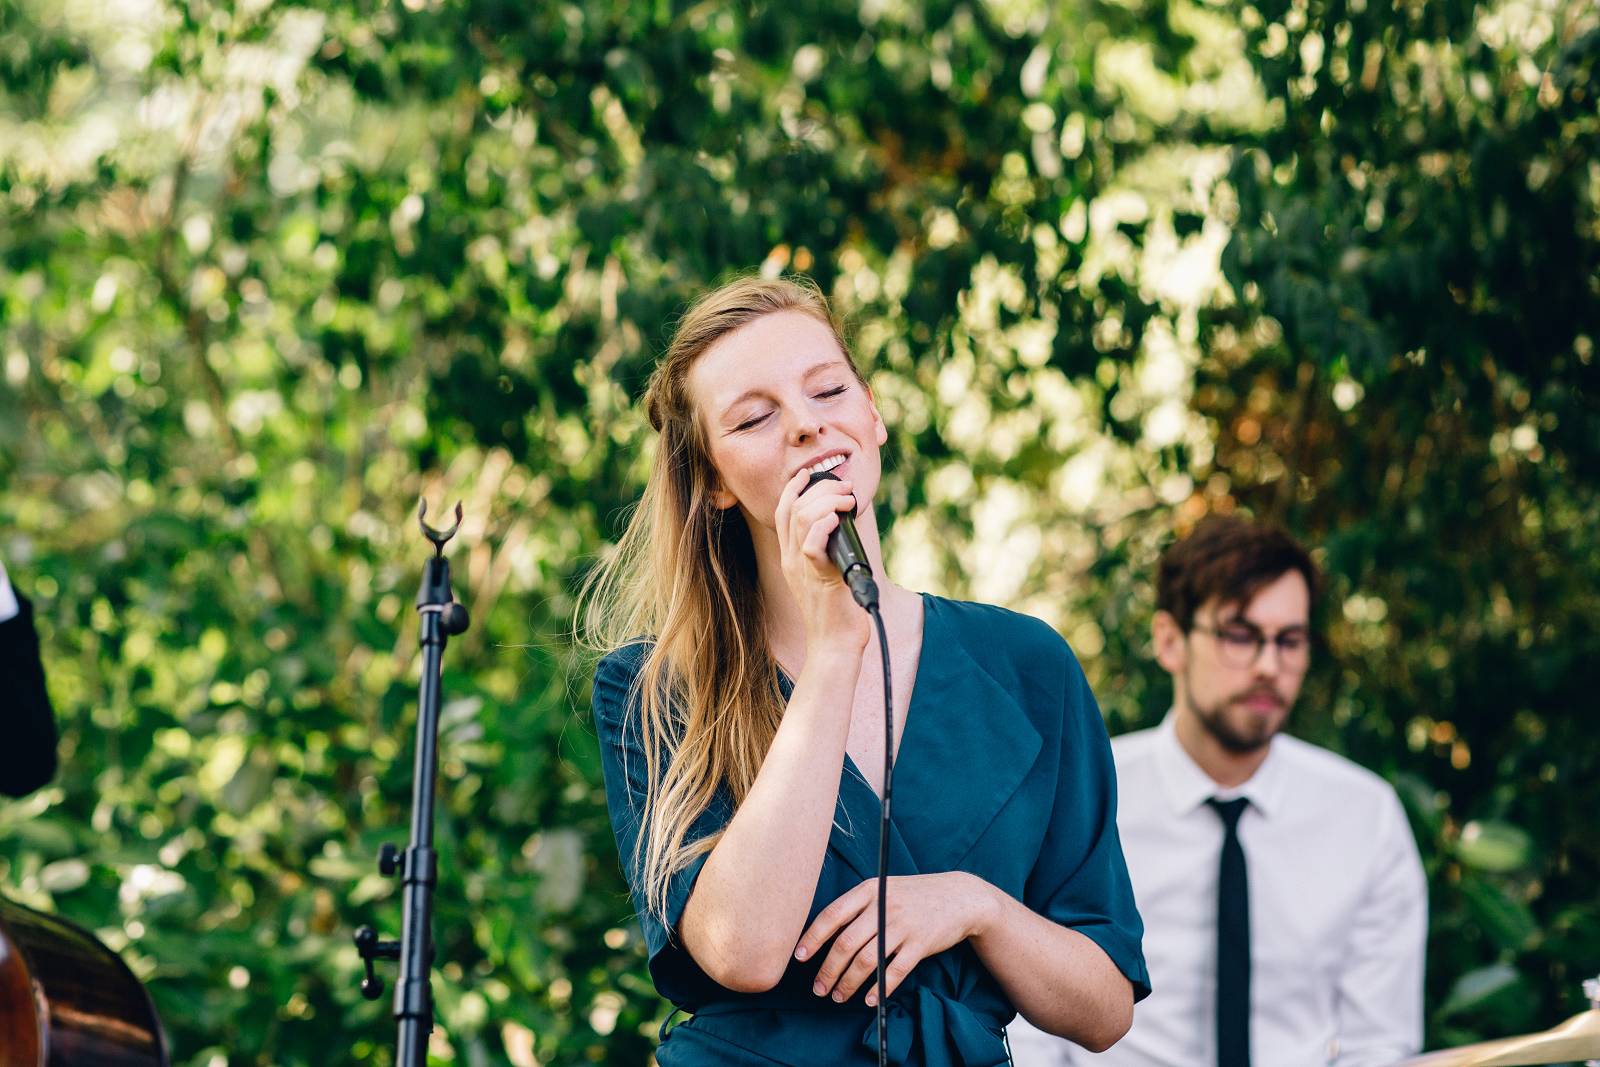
(1240, 738)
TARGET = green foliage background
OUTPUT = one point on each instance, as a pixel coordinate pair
(270, 271)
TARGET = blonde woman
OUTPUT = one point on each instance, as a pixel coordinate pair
(740, 717)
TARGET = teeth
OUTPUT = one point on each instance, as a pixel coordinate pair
(826, 465)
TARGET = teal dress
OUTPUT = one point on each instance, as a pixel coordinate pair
(1004, 771)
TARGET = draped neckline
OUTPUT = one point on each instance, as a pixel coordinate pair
(852, 770)
(961, 722)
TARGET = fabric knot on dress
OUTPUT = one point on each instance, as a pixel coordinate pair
(945, 1031)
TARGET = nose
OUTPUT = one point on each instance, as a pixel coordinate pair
(1268, 662)
(803, 427)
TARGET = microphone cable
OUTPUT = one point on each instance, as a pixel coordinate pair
(847, 553)
(883, 837)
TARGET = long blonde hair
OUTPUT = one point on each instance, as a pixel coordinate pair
(683, 577)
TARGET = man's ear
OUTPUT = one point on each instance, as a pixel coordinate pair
(1170, 644)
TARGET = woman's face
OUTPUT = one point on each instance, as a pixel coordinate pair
(777, 396)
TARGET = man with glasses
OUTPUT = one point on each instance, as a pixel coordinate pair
(1284, 902)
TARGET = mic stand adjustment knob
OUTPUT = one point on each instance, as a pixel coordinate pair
(388, 859)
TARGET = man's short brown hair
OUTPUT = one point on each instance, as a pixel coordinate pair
(1229, 558)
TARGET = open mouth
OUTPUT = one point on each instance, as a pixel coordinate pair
(826, 465)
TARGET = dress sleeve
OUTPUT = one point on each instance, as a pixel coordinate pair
(622, 762)
(1080, 879)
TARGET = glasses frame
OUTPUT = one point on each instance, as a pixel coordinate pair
(1290, 661)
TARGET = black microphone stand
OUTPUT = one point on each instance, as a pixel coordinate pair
(418, 866)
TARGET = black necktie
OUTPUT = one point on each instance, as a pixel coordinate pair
(1233, 942)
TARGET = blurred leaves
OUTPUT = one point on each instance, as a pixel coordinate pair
(1494, 846)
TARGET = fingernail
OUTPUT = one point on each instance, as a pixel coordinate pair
(818, 988)
(800, 953)
(872, 1000)
(838, 997)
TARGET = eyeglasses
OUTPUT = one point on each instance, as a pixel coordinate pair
(1239, 645)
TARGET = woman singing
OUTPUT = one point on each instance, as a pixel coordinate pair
(740, 716)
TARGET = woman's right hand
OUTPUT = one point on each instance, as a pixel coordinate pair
(804, 519)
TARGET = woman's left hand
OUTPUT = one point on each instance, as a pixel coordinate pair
(926, 914)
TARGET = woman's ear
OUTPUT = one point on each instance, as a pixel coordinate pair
(721, 498)
(880, 432)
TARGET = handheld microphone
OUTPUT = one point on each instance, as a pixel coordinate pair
(844, 548)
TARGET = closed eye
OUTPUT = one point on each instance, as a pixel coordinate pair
(756, 420)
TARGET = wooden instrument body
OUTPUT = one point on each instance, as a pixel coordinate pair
(68, 1001)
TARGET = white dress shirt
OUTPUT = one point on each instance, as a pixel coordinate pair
(1338, 912)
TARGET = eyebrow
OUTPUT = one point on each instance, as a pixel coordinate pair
(750, 394)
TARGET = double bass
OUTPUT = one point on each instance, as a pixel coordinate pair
(68, 1001)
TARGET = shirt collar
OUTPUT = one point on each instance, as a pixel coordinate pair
(1187, 786)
